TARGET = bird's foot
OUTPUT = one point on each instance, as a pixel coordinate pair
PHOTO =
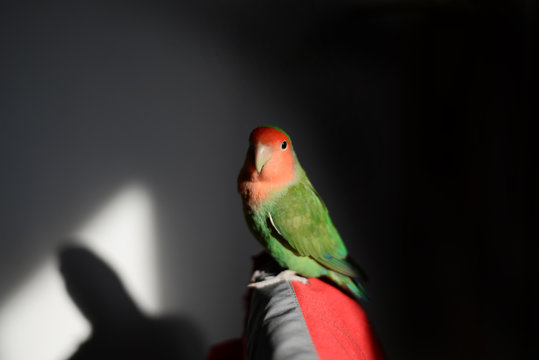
(260, 275)
(286, 275)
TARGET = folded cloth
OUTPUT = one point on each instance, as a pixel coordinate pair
(295, 320)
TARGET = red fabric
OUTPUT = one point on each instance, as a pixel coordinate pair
(338, 326)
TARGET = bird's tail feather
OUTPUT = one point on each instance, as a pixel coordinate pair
(350, 285)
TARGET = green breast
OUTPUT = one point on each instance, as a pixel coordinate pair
(289, 204)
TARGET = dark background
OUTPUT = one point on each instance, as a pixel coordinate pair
(413, 119)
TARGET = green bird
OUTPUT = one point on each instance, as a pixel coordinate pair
(288, 217)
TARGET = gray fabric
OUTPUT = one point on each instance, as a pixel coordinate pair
(276, 329)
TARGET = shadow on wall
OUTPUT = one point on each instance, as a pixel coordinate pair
(119, 329)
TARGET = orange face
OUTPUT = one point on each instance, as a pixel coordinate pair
(269, 163)
(272, 154)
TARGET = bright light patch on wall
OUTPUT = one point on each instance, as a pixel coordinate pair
(40, 321)
(123, 235)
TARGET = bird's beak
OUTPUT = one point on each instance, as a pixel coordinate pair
(262, 156)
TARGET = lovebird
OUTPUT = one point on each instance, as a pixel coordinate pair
(287, 216)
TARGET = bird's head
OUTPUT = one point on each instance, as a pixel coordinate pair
(270, 156)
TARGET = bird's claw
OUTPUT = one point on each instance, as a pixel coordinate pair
(286, 275)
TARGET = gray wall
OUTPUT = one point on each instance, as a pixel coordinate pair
(410, 119)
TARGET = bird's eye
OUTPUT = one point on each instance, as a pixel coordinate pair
(283, 145)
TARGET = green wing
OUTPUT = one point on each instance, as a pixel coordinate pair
(300, 220)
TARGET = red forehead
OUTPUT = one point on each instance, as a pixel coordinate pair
(268, 135)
